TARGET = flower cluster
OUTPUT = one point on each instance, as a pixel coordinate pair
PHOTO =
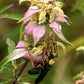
(35, 55)
(22, 51)
(42, 14)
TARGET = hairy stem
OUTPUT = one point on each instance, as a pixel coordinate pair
(20, 72)
(22, 69)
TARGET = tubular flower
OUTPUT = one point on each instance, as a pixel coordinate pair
(44, 13)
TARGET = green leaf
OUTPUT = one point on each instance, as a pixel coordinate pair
(4, 72)
(7, 66)
(77, 77)
(11, 45)
(21, 63)
(14, 64)
(5, 8)
(30, 76)
(13, 16)
(16, 74)
(5, 61)
(8, 80)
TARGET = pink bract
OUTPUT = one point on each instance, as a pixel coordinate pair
(57, 29)
(63, 20)
(38, 33)
(29, 12)
(23, 52)
(21, 44)
(29, 28)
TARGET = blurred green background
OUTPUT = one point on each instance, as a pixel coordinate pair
(68, 65)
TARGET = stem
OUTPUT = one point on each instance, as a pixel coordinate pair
(68, 3)
(22, 69)
(20, 72)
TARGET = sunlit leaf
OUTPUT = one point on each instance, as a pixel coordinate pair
(5, 8)
(11, 45)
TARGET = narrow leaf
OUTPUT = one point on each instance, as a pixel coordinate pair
(4, 61)
(8, 65)
(16, 74)
(8, 80)
(30, 76)
(5, 8)
(13, 16)
(4, 72)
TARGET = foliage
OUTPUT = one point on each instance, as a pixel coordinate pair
(77, 77)
(13, 16)
(5, 8)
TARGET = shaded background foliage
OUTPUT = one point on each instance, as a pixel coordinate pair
(66, 66)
